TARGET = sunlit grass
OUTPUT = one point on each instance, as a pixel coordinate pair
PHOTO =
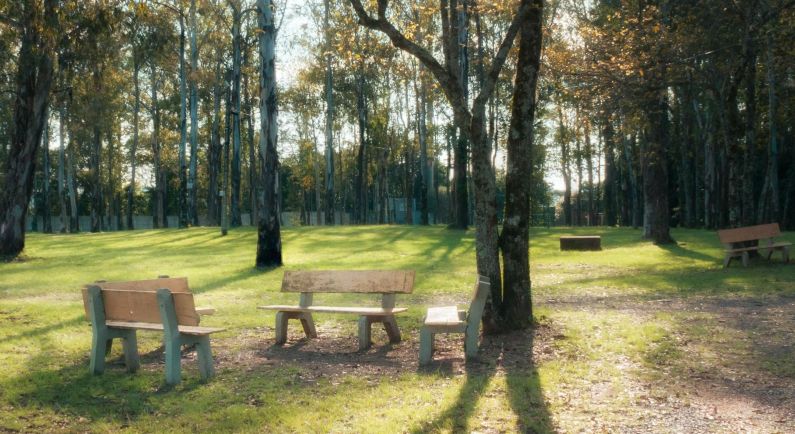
(603, 349)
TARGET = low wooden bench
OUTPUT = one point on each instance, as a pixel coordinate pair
(119, 313)
(448, 319)
(760, 237)
(308, 283)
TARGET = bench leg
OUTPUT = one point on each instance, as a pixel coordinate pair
(745, 259)
(130, 346)
(392, 330)
(173, 360)
(281, 327)
(205, 357)
(364, 332)
(727, 259)
(785, 254)
(426, 346)
(470, 345)
(99, 348)
(308, 324)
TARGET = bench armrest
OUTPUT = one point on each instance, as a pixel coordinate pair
(204, 310)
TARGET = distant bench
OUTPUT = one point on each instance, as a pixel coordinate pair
(581, 242)
(308, 283)
(119, 309)
(760, 237)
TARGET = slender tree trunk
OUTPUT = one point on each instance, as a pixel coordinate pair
(214, 167)
(160, 199)
(269, 242)
(193, 216)
(330, 198)
(252, 158)
(134, 147)
(71, 184)
(237, 41)
(96, 156)
(224, 196)
(183, 128)
(422, 134)
(360, 200)
(772, 150)
(62, 171)
(46, 169)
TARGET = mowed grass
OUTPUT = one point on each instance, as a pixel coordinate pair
(611, 333)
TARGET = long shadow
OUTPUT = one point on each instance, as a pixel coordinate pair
(43, 330)
(510, 355)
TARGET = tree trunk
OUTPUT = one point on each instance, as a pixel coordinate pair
(33, 81)
(134, 147)
(655, 173)
(269, 242)
(159, 196)
(183, 128)
(330, 199)
(516, 308)
(360, 199)
(46, 169)
(214, 153)
(237, 41)
(193, 216)
(252, 158)
(62, 171)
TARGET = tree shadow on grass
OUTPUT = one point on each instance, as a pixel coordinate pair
(509, 355)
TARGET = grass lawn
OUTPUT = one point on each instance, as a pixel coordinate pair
(633, 338)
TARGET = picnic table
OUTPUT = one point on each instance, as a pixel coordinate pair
(386, 283)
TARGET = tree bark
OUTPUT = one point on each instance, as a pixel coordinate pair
(33, 80)
(193, 216)
(269, 243)
(46, 169)
(183, 128)
(330, 197)
(655, 173)
(516, 309)
(134, 147)
(237, 41)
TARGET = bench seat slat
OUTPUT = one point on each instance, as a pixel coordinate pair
(760, 247)
(336, 309)
(443, 316)
(188, 330)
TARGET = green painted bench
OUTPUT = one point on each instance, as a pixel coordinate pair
(448, 319)
(308, 283)
(119, 313)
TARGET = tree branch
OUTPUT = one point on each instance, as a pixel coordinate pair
(502, 54)
(446, 80)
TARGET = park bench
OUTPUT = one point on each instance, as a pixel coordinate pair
(119, 309)
(308, 283)
(738, 242)
(581, 242)
(448, 319)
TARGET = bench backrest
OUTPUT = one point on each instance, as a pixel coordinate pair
(365, 281)
(749, 233)
(475, 312)
(136, 301)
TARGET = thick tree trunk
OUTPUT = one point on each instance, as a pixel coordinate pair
(516, 309)
(33, 81)
(252, 155)
(269, 242)
(655, 173)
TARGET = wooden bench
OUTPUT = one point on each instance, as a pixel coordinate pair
(119, 313)
(582, 242)
(738, 242)
(448, 319)
(386, 283)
